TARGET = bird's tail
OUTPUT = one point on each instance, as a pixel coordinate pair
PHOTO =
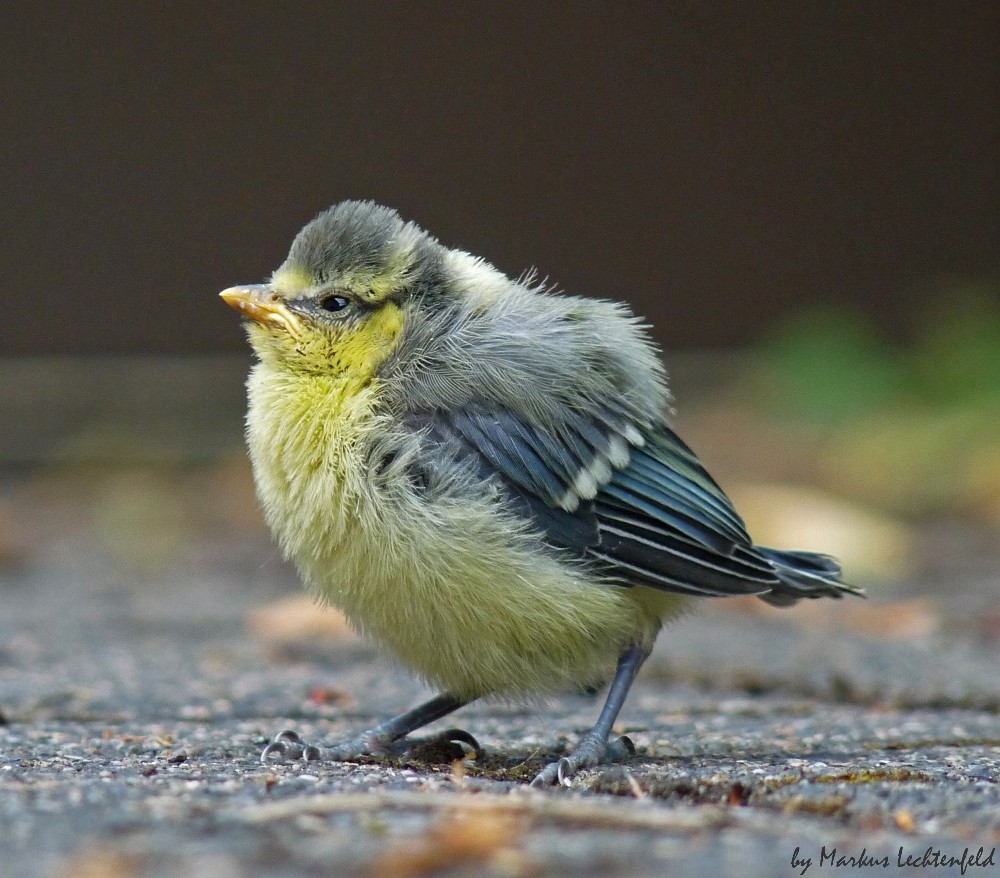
(805, 575)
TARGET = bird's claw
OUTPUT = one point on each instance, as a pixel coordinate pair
(590, 753)
(452, 736)
(620, 749)
(288, 746)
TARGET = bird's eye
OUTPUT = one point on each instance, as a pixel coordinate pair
(334, 303)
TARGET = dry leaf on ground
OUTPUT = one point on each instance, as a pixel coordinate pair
(298, 617)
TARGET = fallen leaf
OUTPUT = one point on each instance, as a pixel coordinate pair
(897, 620)
(298, 617)
(458, 839)
(867, 543)
(101, 862)
(330, 695)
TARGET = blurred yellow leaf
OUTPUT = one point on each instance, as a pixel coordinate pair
(869, 544)
(298, 617)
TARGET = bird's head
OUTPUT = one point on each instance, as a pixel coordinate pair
(338, 303)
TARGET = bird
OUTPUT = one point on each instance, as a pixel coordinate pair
(480, 472)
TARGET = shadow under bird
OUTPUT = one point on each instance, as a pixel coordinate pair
(479, 472)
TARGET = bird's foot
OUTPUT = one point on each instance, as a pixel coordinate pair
(590, 752)
(288, 746)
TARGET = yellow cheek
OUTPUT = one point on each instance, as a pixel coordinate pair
(363, 349)
(351, 355)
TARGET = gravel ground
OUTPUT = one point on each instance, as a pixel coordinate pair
(138, 688)
(136, 703)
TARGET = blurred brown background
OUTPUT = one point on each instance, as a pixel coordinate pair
(803, 200)
(803, 197)
(714, 163)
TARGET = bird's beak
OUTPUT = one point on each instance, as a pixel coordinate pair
(261, 303)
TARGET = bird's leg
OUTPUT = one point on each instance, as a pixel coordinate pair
(594, 747)
(386, 739)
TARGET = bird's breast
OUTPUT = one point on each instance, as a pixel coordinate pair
(307, 436)
(458, 590)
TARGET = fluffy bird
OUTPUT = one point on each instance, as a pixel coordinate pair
(479, 472)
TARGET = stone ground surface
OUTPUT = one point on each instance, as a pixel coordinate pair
(136, 702)
(141, 676)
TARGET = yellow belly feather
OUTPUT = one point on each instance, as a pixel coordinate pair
(456, 590)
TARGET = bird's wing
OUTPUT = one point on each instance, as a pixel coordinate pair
(664, 522)
(644, 513)
(536, 472)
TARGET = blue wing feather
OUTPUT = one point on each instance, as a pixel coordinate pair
(660, 520)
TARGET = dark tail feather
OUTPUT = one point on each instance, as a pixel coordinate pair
(805, 575)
